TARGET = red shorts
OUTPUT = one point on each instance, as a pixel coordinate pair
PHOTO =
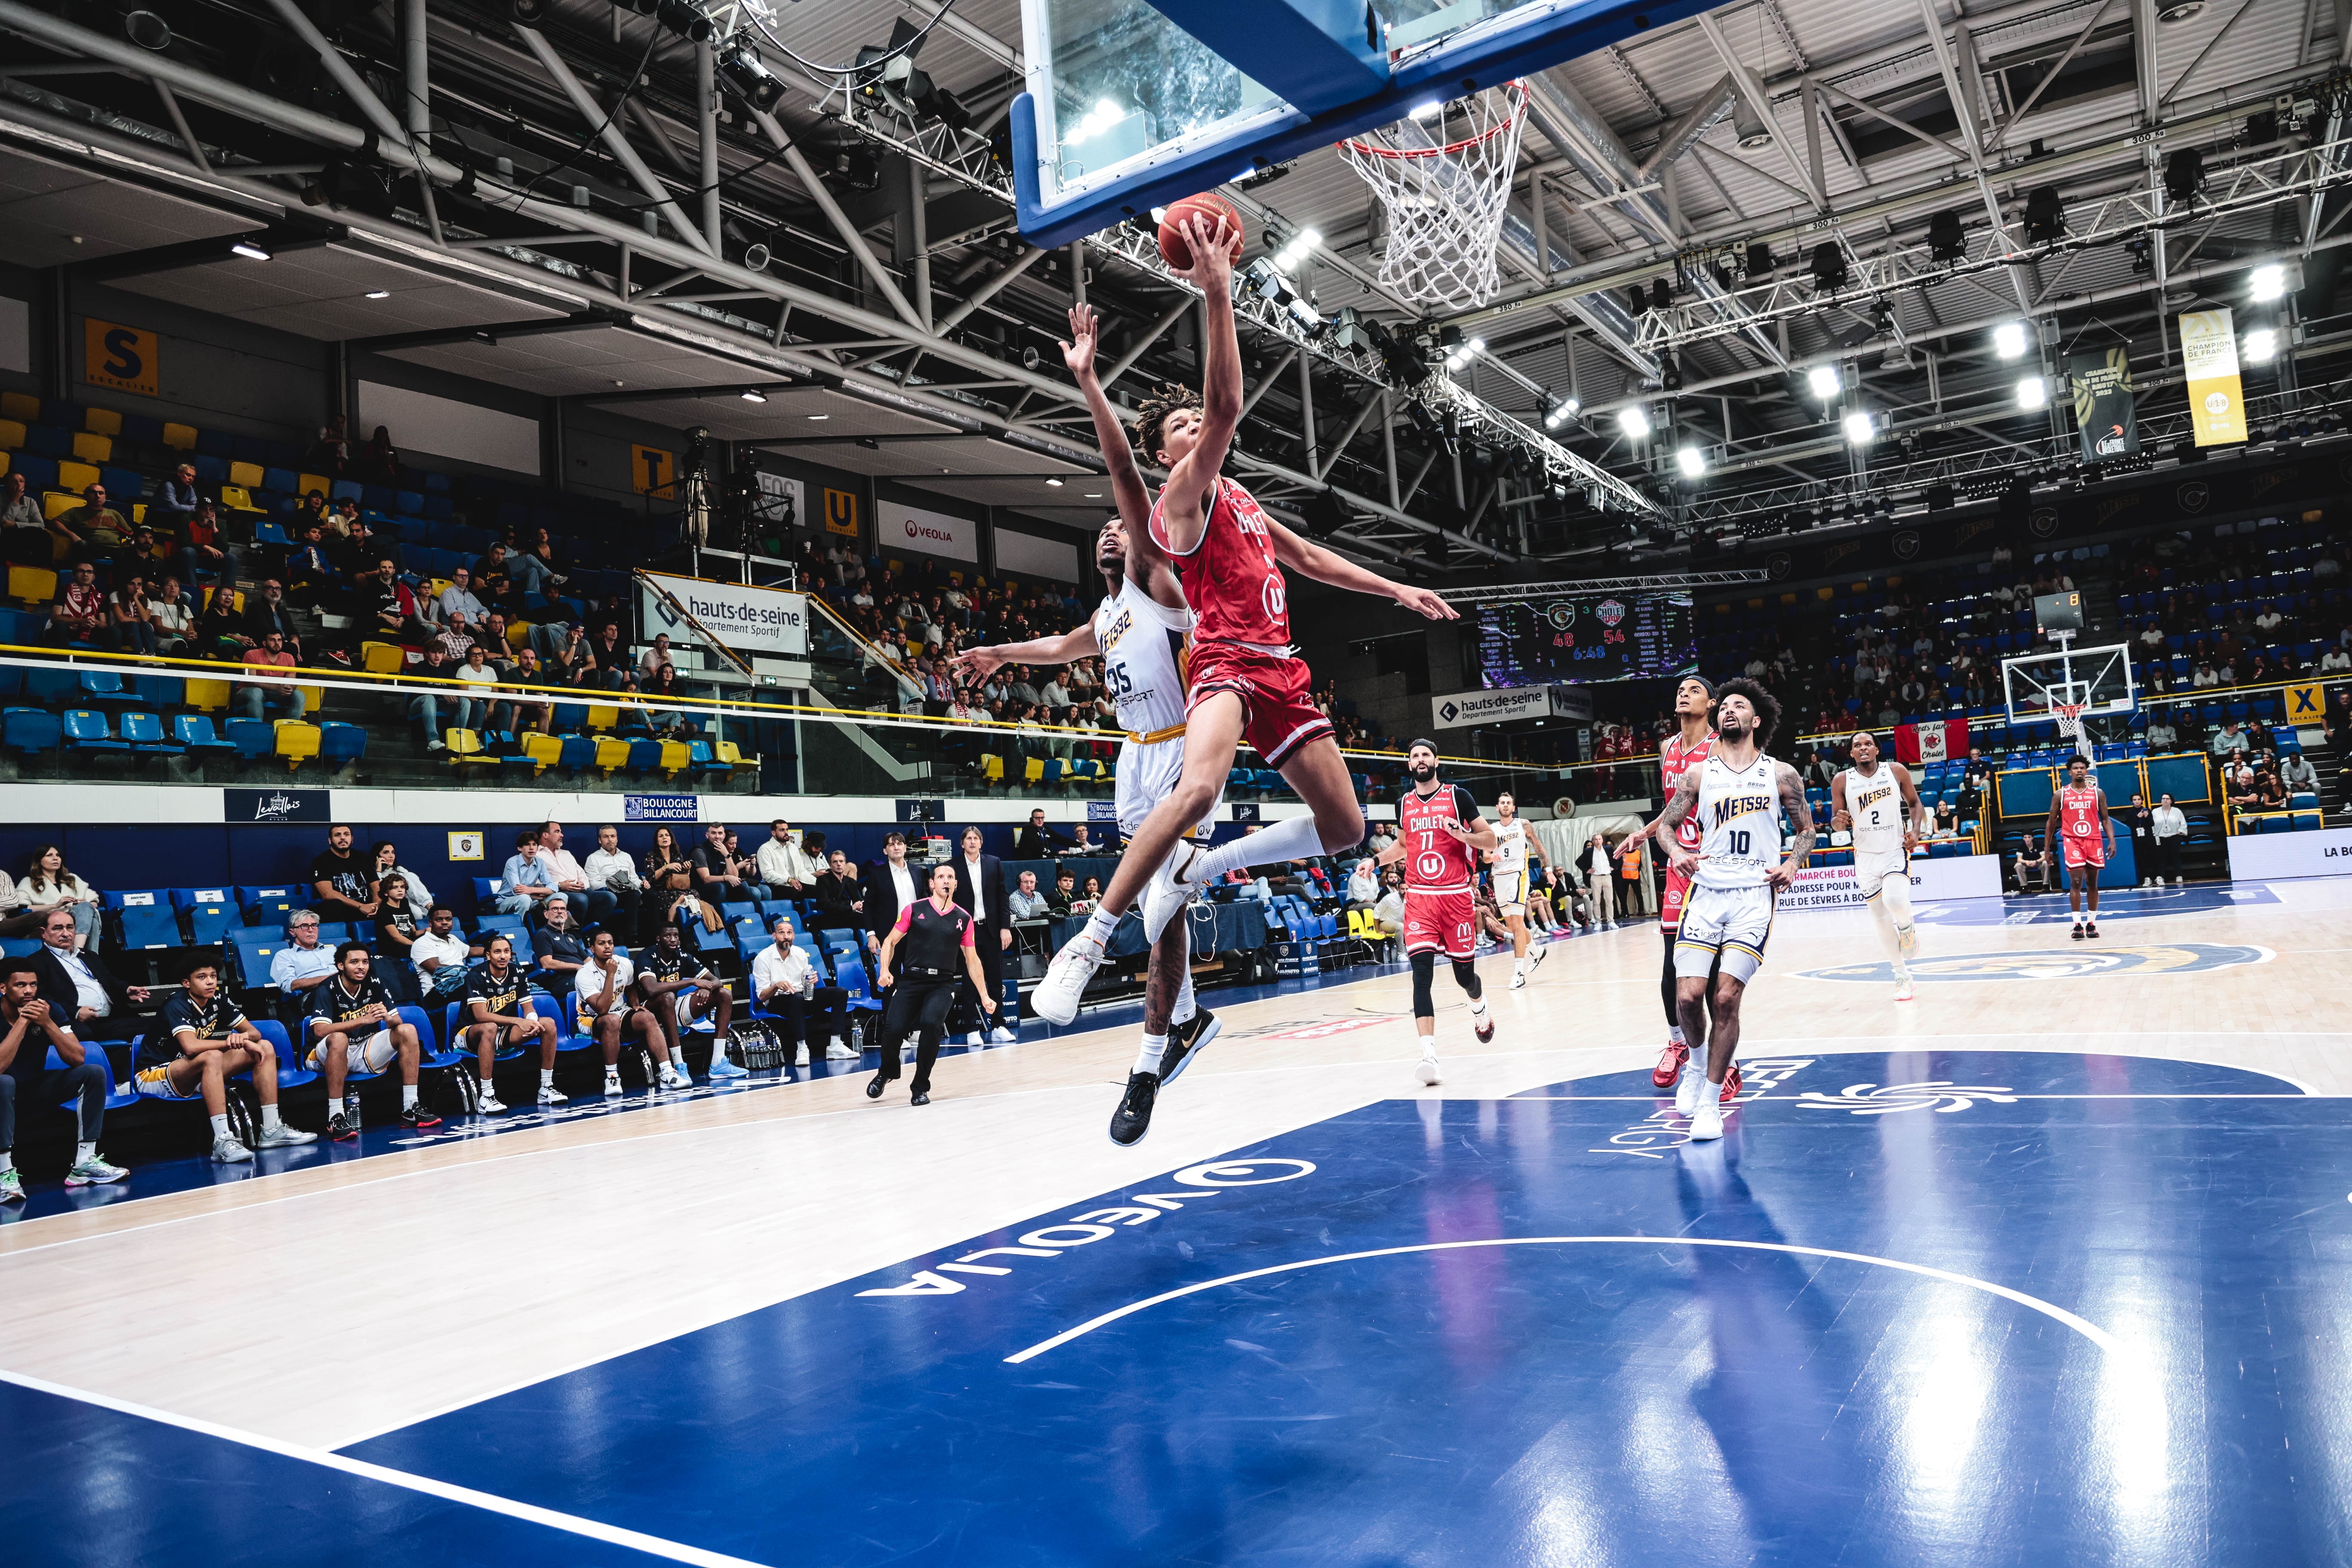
(1670, 902)
(1278, 714)
(2090, 851)
(1441, 922)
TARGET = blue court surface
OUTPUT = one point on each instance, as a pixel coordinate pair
(1934, 1307)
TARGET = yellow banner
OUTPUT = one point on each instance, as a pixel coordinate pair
(120, 357)
(653, 469)
(841, 512)
(2209, 352)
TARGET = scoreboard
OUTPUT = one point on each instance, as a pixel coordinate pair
(1580, 640)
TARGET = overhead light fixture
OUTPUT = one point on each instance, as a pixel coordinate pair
(2266, 283)
(1093, 495)
(1754, 137)
(251, 250)
(2045, 215)
(1463, 353)
(2184, 175)
(1053, 484)
(815, 417)
(682, 19)
(1635, 421)
(379, 293)
(748, 74)
(1824, 382)
(1566, 409)
(2260, 346)
(2008, 339)
(1428, 109)
(1301, 246)
(1691, 461)
(1670, 374)
(1945, 240)
(1830, 269)
(1860, 427)
(2033, 392)
(753, 394)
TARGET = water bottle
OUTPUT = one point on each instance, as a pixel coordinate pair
(351, 1108)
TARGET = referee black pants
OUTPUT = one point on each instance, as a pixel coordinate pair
(917, 1004)
(986, 943)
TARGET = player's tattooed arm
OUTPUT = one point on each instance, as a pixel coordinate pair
(1800, 815)
(1679, 808)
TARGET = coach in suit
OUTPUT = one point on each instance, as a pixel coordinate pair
(979, 892)
(892, 884)
(81, 992)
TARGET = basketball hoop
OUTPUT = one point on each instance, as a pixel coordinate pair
(2069, 718)
(1446, 201)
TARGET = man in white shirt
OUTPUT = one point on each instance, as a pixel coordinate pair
(2296, 772)
(439, 954)
(2169, 830)
(2204, 677)
(1364, 884)
(784, 867)
(2334, 661)
(891, 887)
(654, 658)
(591, 900)
(2270, 619)
(2162, 735)
(600, 991)
(606, 865)
(1027, 903)
(786, 986)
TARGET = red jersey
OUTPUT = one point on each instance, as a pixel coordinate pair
(1434, 860)
(2078, 814)
(1231, 578)
(1675, 758)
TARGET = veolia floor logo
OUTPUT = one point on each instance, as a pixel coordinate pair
(2072, 963)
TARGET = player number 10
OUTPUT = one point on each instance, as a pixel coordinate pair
(1740, 842)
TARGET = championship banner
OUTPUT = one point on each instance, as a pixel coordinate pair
(2209, 353)
(1937, 741)
(2102, 403)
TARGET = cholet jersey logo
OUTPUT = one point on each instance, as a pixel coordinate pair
(2067, 963)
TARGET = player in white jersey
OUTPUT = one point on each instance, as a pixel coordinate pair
(1139, 631)
(1738, 797)
(1515, 851)
(1879, 804)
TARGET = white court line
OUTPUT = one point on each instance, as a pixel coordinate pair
(572, 1524)
(2089, 1331)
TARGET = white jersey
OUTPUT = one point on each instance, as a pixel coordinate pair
(1875, 800)
(1141, 642)
(1510, 846)
(1739, 822)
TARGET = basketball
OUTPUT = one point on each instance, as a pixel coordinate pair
(1209, 206)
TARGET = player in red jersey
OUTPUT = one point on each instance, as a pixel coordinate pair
(1695, 708)
(1438, 827)
(1246, 683)
(2078, 814)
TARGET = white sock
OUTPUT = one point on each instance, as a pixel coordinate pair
(1477, 1005)
(547, 1078)
(717, 1048)
(1429, 1048)
(85, 1152)
(407, 1095)
(7, 1159)
(678, 1058)
(220, 1125)
(1186, 1005)
(1292, 839)
(1099, 925)
(1674, 1036)
(1146, 1059)
(269, 1122)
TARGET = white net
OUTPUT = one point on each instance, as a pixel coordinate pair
(2069, 716)
(1444, 180)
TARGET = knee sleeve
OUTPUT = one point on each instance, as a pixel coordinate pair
(1666, 984)
(1424, 970)
(1895, 894)
(1466, 976)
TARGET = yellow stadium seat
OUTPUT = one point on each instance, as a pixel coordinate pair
(612, 755)
(313, 697)
(139, 513)
(992, 767)
(675, 757)
(542, 750)
(12, 432)
(603, 716)
(518, 634)
(1033, 771)
(56, 503)
(383, 657)
(33, 585)
(207, 696)
(466, 750)
(180, 438)
(102, 422)
(76, 476)
(319, 482)
(246, 476)
(92, 449)
(21, 406)
(731, 754)
(235, 498)
(3, 465)
(296, 742)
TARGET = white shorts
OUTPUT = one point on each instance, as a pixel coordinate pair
(1873, 866)
(1148, 774)
(1731, 924)
(372, 1053)
(1511, 893)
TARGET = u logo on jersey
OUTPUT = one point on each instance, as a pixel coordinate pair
(1274, 596)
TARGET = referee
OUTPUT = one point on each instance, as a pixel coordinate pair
(932, 946)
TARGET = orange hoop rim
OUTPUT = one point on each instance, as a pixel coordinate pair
(1519, 96)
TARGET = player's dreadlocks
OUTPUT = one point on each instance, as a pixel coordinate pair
(1155, 411)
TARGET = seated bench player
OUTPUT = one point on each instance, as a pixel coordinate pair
(495, 989)
(204, 1041)
(679, 990)
(355, 1027)
(601, 993)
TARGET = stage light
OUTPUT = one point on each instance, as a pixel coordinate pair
(2045, 215)
(1824, 382)
(1830, 270)
(753, 395)
(1428, 109)
(379, 294)
(251, 250)
(2033, 392)
(684, 20)
(2266, 283)
(2184, 175)
(1754, 137)
(1634, 422)
(1692, 462)
(1670, 374)
(2260, 346)
(1860, 427)
(1945, 240)
(750, 76)
(1561, 413)
(1053, 484)
(1301, 246)
(2008, 339)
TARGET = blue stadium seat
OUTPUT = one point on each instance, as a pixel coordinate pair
(253, 738)
(193, 731)
(341, 743)
(29, 731)
(144, 733)
(86, 730)
(269, 906)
